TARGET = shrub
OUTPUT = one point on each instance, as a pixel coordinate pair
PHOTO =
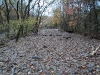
(12, 28)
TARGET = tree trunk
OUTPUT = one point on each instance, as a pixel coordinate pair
(7, 9)
(95, 20)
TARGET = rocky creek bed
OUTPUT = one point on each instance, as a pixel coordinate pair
(51, 52)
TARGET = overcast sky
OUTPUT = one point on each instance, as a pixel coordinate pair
(49, 11)
(0, 2)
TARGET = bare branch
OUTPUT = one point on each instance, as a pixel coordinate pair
(95, 51)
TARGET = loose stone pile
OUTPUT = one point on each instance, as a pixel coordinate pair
(51, 52)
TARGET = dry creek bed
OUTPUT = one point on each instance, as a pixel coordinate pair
(51, 52)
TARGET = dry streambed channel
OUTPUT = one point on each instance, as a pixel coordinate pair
(51, 52)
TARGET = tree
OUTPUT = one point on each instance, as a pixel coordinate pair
(21, 11)
(81, 16)
(41, 8)
(7, 11)
(56, 19)
(15, 8)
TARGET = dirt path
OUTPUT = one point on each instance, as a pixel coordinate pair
(51, 52)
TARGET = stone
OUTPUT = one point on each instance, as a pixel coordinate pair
(98, 70)
(1, 63)
(80, 64)
(91, 64)
(70, 72)
(47, 67)
(3, 66)
(58, 56)
(74, 60)
(45, 46)
(36, 58)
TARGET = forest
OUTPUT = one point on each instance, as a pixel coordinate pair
(80, 16)
(49, 37)
(20, 17)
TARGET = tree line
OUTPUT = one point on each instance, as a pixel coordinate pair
(17, 17)
(81, 16)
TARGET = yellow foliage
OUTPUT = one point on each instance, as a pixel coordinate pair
(56, 19)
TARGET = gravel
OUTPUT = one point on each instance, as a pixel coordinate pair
(51, 52)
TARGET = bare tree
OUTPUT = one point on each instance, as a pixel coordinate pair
(16, 9)
(27, 10)
(40, 10)
(7, 11)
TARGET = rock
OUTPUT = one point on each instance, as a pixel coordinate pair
(70, 72)
(45, 46)
(21, 53)
(49, 55)
(66, 37)
(91, 64)
(47, 67)
(3, 67)
(98, 70)
(80, 64)
(1, 63)
(36, 58)
(29, 72)
(74, 60)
